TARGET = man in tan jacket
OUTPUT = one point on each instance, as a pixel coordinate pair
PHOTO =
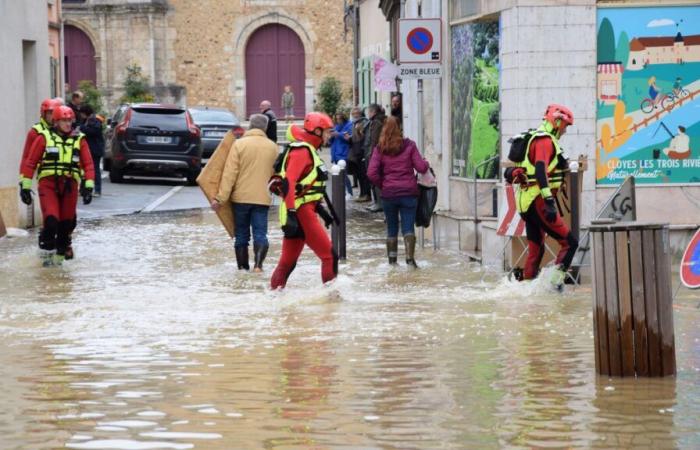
(248, 169)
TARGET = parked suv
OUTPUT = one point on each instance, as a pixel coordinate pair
(214, 123)
(155, 139)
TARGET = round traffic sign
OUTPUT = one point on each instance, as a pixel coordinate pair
(690, 264)
(419, 40)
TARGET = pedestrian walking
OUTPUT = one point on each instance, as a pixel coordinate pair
(301, 182)
(288, 103)
(247, 171)
(538, 179)
(377, 117)
(93, 129)
(75, 103)
(61, 155)
(271, 131)
(397, 108)
(356, 157)
(340, 145)
(393, 168)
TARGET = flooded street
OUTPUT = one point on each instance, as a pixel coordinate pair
(151, 339)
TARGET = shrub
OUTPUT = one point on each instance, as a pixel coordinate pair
(330, 95)
(93, 96)
(136, 86)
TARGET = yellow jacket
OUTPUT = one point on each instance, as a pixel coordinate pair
(248, 169)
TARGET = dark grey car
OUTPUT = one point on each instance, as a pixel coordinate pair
(214, 123)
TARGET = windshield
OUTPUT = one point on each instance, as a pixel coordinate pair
(212, 116)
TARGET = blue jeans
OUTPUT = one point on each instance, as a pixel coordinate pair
(96, 160)
(400, 206)
(247, 215)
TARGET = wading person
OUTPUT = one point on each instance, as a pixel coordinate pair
(392, 169)
(538, 179)
(60, 154)
(248, 168)
(301, 182)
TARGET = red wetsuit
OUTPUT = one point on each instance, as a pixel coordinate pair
(536, 225)
(58, 196)
(299, 164)
(31, 136)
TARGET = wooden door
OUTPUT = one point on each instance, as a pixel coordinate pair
(79, 63)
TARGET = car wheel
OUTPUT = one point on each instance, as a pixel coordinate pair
(106, 164)
(192, 177)
(116, 175)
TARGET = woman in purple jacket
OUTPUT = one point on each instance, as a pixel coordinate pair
(392, 168)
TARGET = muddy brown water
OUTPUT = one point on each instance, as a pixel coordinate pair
(151, 339)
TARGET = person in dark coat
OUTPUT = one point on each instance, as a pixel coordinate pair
(377, 117)
(76, 103)
(356, 158)
(92, 128)
(271, 132)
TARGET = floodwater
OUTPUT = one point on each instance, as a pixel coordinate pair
(152, 339)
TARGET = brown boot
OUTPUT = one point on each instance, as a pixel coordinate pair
(409, 242)
(392, 250)
(260, 254)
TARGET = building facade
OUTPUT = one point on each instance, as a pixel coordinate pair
(504, 61)
(228, 54)
(25, 81)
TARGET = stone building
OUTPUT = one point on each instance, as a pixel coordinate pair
(25, 80)
(203, 52)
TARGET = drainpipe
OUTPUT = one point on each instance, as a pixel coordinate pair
(62, 56)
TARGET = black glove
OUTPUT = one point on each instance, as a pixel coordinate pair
(550, 209)
(87, 195)
(291, 228)
(26, 196)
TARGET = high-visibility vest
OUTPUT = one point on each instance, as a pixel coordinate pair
(41, 126)
(309, 189)
(61, 156)
(526, 195)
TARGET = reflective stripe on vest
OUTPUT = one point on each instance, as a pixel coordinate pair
(61, 156)
(525, 196)
(308, 189)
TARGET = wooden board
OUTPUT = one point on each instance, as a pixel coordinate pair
(665, 303)
(210, 178)
(600, 318)
(612, 303)
(653, 330)
(641, 340)
(625, 298)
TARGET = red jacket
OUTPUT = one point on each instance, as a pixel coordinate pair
(36, 152)
(299, 164)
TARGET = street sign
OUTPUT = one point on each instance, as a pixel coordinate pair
(690, 264)
(420, 41)
(419, 71)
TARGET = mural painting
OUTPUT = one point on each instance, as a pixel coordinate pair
(648, 95)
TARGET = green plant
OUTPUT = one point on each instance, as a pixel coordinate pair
(93, 96)
(136, 86)
(330, 95)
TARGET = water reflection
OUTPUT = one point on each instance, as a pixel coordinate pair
(144, 342)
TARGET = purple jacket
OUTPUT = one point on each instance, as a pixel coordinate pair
(394, 174)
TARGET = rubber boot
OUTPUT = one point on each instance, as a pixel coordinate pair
(392, 250)
(47, 257)
(557, 278)
(410, 244)
(242, 258)
(260, 254)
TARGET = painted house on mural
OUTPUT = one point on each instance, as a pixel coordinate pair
(610, 81)
(231, 54)
(663, 50)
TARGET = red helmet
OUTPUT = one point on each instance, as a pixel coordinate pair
(48, 105)
(556, 112)
(315, 120)
(63, 112)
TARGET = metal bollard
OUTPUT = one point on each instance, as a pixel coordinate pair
(338, 235)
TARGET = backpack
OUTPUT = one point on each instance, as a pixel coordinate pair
(518, 145)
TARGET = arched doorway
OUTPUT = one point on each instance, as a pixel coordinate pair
(274, 58)
(79, 61)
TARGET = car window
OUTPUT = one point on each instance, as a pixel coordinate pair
(163, 119)
(213, 116)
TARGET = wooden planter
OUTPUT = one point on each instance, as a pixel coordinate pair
(633, 305)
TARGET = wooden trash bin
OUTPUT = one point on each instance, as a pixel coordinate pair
(633, 304)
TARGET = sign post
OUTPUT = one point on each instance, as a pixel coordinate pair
(690, 264)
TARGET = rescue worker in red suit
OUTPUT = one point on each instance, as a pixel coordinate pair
(538, 179)
(44, 123)
(59, 154)
(302, 177)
